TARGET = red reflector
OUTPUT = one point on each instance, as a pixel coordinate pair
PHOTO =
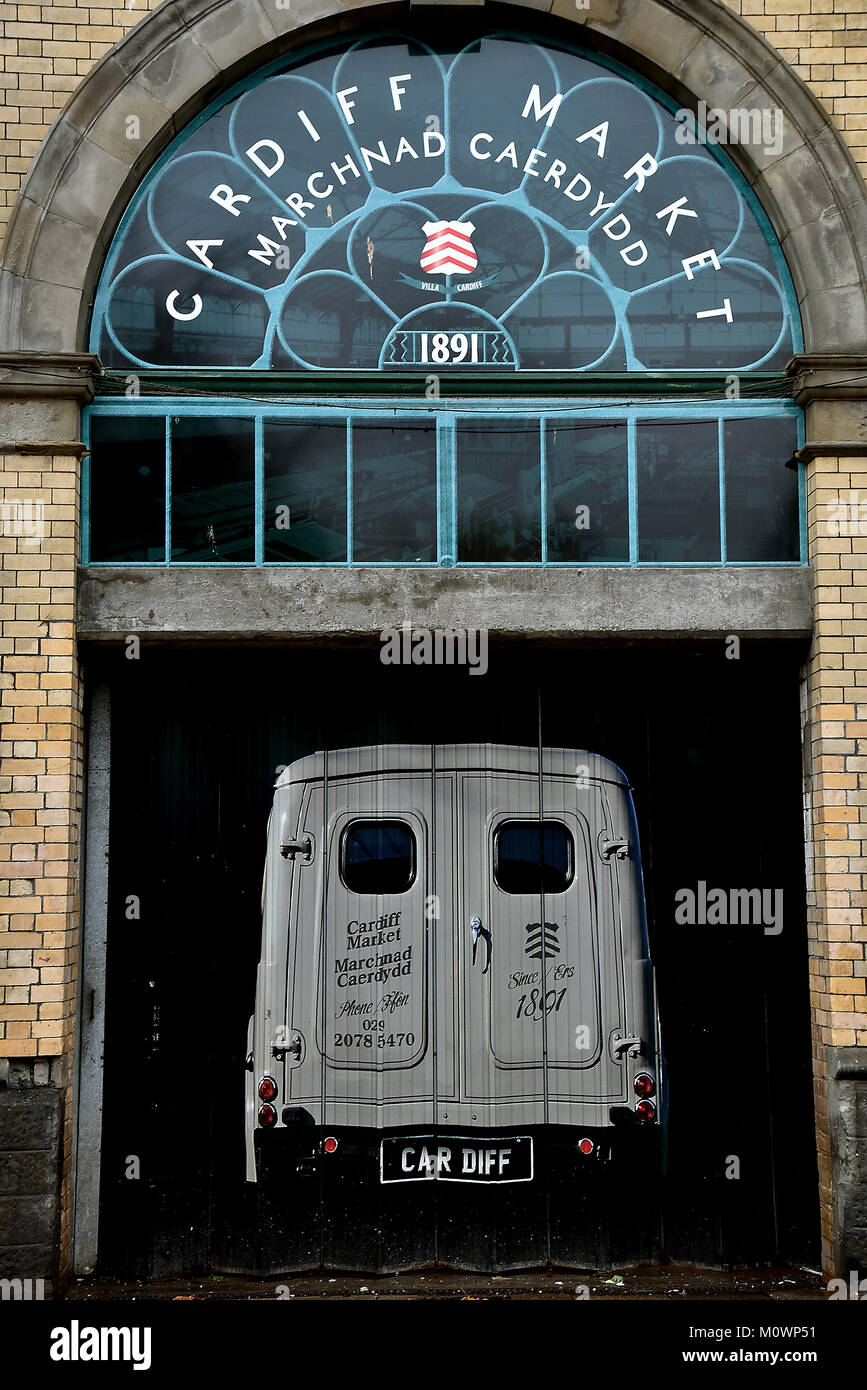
(267, 1116)
(267, 1088)
(645, 1110)
(330, 1145)
(643, 1084)
(586, 1146)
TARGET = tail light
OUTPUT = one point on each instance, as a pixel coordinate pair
(330, 1145)
(586, 1146)
(645, 1110)
(267, 1116)
(267, 1088)
(644, 1085)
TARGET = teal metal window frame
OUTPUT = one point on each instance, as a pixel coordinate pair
(445, 416)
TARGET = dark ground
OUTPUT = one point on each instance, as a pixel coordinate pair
(671, 1284)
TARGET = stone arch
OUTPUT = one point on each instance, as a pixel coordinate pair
(182, 55)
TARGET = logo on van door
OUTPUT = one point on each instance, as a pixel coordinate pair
(533, 947)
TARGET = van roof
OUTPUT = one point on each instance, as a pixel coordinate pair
(420, 757)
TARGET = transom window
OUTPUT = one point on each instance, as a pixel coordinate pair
(336, 486)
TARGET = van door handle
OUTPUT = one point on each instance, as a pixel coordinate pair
(478, 930)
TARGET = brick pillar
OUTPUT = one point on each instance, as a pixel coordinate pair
(835, 758)
(41, 768)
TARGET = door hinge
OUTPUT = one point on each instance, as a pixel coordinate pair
(290, 848)
(609, 846)
(294, 1046)
(631, 1044)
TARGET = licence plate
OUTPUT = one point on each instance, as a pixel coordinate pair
(410, 1158)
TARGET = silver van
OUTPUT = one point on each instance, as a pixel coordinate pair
(454, 953)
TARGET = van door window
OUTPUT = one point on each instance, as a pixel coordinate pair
(378, 857)
(533, 857)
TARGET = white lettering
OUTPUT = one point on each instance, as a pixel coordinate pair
(631, 247)
(346, 105)
(176, 313)
(599, 133)
(576, 197)
(645, 167)
(703, 258)
(340, 169)
(677, 210)
(725, 311)
(325, 193)
(534, 103)
(223, 195)
(200, 249)
(557, 168)
(627, 227)
(481, 136)
(426, 139)
(307, 123)
(509, 153)
(267, 169)
(398, 92)
(381, 158)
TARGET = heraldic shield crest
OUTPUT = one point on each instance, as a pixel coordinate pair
(448, 249)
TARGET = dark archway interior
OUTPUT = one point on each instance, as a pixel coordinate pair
(711, 746)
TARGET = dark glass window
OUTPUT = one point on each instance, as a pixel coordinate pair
(394, 504)
(378, 857)
(533, 857)
(586, 470)
(678, 491)
(127, 489)
(305, 491)
(212, 490)
(761, 492)
(499, 483)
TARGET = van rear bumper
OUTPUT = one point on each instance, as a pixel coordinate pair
(301, 1149)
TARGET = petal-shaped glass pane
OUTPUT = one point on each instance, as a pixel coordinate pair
(329, 320)
(567, 322)
(164, 311)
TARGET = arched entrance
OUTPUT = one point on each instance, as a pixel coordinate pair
(86, 174)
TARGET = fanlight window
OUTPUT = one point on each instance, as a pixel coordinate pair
(512, 206)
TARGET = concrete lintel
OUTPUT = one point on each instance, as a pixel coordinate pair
(273, 603)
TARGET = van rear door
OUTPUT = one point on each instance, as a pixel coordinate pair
(375, 988)
(538, 1018)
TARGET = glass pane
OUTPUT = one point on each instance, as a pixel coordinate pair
(678, 491)
(394, 474)
(533, 857)
(499, 483)
(305, 491)
(587, 484)
(212, 490)
(761, 492)
(378, 857)
(127, 489)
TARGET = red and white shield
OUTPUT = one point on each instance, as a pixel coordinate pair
(448, 249)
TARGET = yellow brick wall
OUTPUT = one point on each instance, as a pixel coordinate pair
(45, 51)
(836, 736)
(40, 754)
